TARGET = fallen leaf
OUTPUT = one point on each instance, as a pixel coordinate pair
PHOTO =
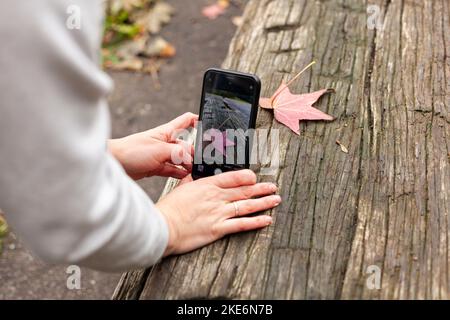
(237, 21)
(131, 48)
(215, 10)
(159, 47)
(343, 148)
(290, 108)
(3, 230)
(128, 5)
(128, 36)
(153, 20)
(133, 64)
(224, 3)
(3, 227)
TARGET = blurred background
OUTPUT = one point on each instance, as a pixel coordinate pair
(156, 51)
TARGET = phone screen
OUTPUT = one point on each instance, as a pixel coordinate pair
(228, 110)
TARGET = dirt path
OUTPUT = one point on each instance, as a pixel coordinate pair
(135, 106)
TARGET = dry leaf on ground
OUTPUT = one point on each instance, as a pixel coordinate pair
(159, 47)
(128, 5)
(131, 64)
(215, 10)
(131, 48)
(124, 49)
(3, 230)
(152, 20)
(237, 21)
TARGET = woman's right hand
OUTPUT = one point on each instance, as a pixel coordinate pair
(202, 211)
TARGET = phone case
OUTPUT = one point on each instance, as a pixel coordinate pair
(253, 113)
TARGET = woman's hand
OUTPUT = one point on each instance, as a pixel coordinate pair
(203, 211)
(151, 152)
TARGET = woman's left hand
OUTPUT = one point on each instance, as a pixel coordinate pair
(155, 152)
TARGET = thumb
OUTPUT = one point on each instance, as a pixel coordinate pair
(178, 154)
(184, 121)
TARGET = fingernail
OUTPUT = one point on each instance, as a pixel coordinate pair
(268, 220)
(273, 187)
(277, 200)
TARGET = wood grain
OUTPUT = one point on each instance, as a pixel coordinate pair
(386, 203)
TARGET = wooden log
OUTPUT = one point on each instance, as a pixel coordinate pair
(383, 206)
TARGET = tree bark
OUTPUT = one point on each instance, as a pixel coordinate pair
(383, 206)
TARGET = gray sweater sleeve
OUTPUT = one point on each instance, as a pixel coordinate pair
(62, 192)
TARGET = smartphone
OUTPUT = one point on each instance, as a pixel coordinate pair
(227, 117)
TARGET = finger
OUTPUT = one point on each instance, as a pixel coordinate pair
(188, 146)
(187, 166)
(247, 192)
(176, 154)
(249, 206)
(184, 121)
(169, 170)
(188, 149)
(233, 179)
(230, 226)
(185, 180)
(170, 131)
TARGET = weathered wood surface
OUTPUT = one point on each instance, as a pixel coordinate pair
(386, 203)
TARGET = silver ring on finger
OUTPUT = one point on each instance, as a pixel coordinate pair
(236, 209)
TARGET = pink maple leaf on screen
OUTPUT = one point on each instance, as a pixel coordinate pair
(290, 109)
(219, 140)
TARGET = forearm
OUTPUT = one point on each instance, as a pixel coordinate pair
(63, 193)
(125, 231)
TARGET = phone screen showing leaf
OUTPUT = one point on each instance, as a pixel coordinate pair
(229, 104)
